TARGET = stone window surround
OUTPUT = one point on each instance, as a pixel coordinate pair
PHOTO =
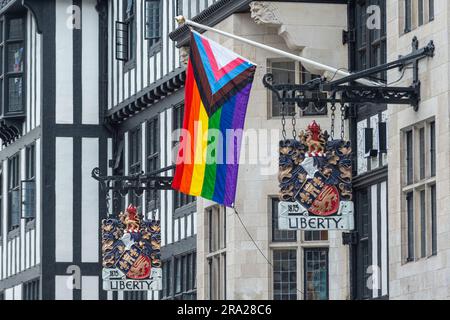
(414, 15)
(415, 188)
(299, 246)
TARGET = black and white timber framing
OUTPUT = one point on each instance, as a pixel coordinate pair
(79, 99)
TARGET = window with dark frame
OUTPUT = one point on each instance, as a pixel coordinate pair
(185, 267)
(280, 235)
(433, 148)
(423, 225)
(361, 36)
(135, 162)
(194, 274)
(180, 7)
(30, 290)
(130, 20)
(363, 249)
(181, 200)
(135, 295)
(433, 220)
(285, 274)
(217, 253)
(421, 12)
(283, 72)
(312, 109)
(291, 72)
(190, 290)
(153, 22)
(408, 16)
(126, 34)
(178, 275)
(121, 41)
(370, 43)
(419, 188)
(166, 292)
(430, 10)
(409, 157)
(181, 284)
(153, 159)
(316, 274)
(30, 152)
(417, 13)
(12, 64)
(28, 186)
(410, 226)
(422, 153)
(14, 192)
(311, 236)
(217, 229)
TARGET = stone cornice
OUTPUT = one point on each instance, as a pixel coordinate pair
(147, 97)
(222, 9)
(211, 16)
(265, 13)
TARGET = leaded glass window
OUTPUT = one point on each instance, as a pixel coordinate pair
(316, 274)
(12, 60)
(153, 21)
(285, 274)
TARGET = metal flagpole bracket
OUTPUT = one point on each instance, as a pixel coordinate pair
(136, 182)
(345, 90)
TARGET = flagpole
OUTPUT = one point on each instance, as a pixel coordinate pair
(182, 20)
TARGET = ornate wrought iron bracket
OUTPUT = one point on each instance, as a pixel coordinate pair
(136, 183)
(345, 91)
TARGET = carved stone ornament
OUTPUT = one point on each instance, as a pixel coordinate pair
(184, 55)
(265, 13)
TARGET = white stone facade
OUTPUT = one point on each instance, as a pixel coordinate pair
(428, 277)
(310, 30)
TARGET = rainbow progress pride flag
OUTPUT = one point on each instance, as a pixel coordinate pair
(217, 91)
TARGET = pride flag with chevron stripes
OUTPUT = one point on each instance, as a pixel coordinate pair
(217, 91)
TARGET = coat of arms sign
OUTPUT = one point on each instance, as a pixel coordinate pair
(316, 182)
(131, 253)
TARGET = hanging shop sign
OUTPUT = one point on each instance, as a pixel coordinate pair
(131, 253)
(316, 182)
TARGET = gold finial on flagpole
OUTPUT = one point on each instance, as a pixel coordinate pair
(180, 20)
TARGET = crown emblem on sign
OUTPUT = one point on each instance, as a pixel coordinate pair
(314, 139)
(130, 219)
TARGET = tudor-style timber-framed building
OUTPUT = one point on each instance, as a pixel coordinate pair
(368, 132)
(104, 61)
(52, 135)
(100, 83)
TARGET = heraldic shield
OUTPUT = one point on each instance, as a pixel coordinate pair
(315, 183)
(131, 253)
